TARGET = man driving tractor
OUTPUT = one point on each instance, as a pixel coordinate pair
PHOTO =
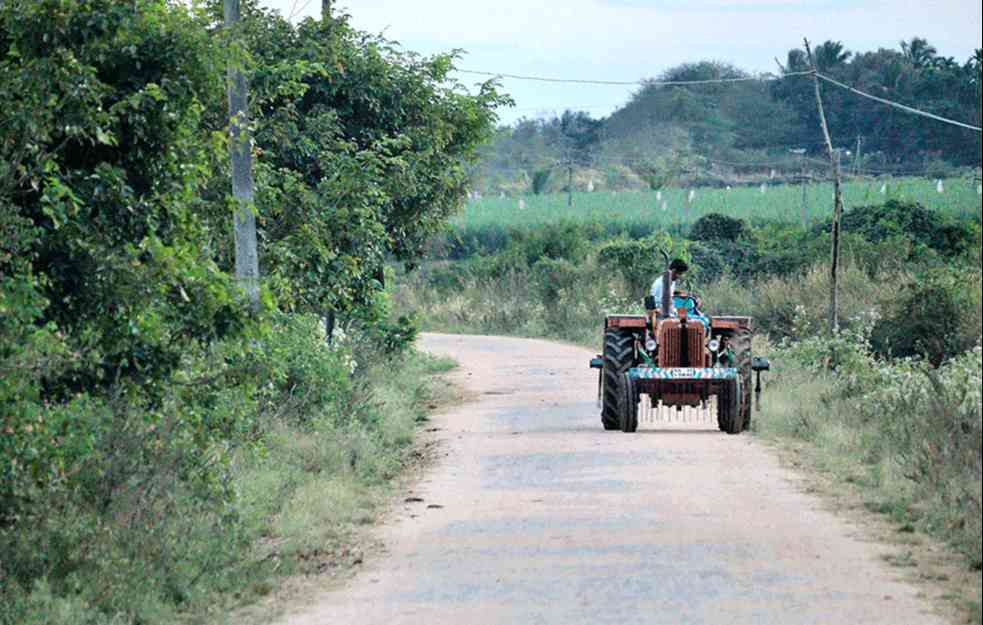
(676, 269)
(679, 299)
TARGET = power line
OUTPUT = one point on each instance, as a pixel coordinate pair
(634, 83)
(554, 109)
(295, 11)
(899, 106)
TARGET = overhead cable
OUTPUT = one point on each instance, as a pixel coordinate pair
(899, 106)
(634, 83)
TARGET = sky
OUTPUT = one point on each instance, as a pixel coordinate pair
(631, 40)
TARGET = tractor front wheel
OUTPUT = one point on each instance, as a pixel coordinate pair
(628, 410)
(619, 357)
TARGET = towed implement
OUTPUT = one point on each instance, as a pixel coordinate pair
(677, 361)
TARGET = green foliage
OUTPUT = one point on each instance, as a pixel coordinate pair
(915, 75)
(363, 153)
(642, 261)
(564, 240)
(906, 434)
(540, 181)
(135, 381)
(935, 317)
(550, 278)
(897, 219)
(109, 164)
(658, 174)
(108, 281)
(155, 513)
(709, 264)
(666, 134)
(716, 227)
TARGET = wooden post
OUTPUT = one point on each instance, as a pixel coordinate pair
(802, 182)
(240, 153)
(834, 321)
(570, 181)
(856, 156)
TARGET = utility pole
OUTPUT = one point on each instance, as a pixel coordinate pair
(856, 157)
(801, 152)
(240, 153)
(330, 316)
(834, 159)
(570, 181)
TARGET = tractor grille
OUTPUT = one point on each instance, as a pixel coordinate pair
(671, 336)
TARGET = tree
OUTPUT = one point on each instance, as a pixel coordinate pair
(831, 55)
(108, 284)
(580, 135)
(918, 52)
(103, 131)
(363, 153)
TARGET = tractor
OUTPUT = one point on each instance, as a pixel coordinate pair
(678, 361)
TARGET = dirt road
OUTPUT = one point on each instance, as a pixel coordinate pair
(535, 515)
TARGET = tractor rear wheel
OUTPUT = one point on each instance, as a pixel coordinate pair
(619, 357)
(728, 408)
(628, 409)
(734, 401)
(742, 361)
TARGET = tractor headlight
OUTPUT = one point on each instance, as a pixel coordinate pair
(650, 345)
(713, 345)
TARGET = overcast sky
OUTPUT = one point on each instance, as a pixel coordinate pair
(627, 40)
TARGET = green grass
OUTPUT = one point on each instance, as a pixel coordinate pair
(781, 203)
(301, 495)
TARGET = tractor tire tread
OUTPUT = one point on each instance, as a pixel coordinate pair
(619, 356)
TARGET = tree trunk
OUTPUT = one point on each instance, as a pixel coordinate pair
(240, 153)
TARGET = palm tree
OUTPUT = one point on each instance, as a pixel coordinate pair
(918, 52)
(831, 55)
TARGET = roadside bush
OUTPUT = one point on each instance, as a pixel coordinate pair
(717, 227)
(786, 307)
(907, 435)
(898, 219)
(937, 440)
(564, 240)
(936, 316)
(708, 265)
(151, 512)
(549, 277)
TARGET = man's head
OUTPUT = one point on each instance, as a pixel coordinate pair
(678, 267)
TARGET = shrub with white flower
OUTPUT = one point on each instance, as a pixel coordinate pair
(342, 347)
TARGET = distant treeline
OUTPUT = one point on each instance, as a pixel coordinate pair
(665, 133)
